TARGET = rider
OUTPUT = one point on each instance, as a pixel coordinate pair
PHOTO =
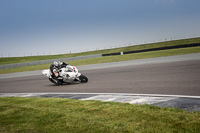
(55, 67)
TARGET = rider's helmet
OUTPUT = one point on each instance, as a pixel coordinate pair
(57, 63)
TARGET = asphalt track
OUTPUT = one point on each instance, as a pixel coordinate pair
(170, 78)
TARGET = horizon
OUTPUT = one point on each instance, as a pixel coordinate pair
(100, 49)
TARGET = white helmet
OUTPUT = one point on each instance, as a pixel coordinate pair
(56, 63)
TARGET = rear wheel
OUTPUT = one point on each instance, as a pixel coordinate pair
(83, 78)
(52, 81)
(58, 82)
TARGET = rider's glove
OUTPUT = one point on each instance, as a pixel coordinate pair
(55, 72)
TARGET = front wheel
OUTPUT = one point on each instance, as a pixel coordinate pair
(83, 78)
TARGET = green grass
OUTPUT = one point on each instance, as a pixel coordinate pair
(110, 59)
(67, 115)
(13, 60)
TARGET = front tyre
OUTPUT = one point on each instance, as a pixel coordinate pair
(83, 78)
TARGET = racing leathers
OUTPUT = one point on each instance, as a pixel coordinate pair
(55, 68)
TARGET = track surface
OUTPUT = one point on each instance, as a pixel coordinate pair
(172, 78)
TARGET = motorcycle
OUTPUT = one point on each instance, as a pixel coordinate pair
(68, 74)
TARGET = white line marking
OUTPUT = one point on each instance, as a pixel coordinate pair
(130, 99)
(110, 99)
(151, 100)
(117, 94)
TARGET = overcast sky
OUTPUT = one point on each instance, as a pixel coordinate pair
(31, 27)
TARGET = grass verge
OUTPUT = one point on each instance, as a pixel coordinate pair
(13, 60)
(67, 115)
(110, 59)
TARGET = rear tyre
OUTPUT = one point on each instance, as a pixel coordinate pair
(83, 78)
(58, 82)
(52, 81)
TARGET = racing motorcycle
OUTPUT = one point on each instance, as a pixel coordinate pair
(68, 74)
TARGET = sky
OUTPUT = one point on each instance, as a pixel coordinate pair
(43, 27)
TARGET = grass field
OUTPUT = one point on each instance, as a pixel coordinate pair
(67, 115)
(110, 59)
(13, 60)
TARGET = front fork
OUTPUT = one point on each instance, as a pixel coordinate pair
(77, 77)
